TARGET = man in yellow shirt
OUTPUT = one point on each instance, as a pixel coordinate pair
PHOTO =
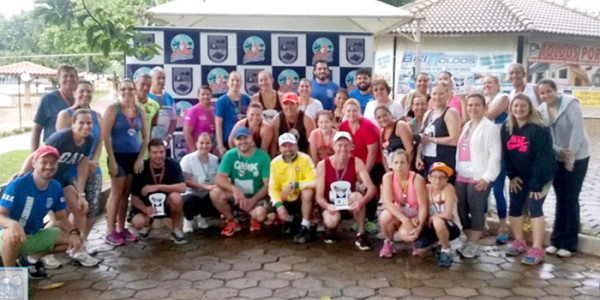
(291, 186)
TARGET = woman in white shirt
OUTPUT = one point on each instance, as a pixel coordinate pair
(381, 91)
(310, 106)
(478, 157)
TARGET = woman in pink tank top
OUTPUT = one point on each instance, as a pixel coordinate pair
(404, 196)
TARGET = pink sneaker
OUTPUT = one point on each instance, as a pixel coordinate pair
(534, 256)
(516, 248)
(387, 250)
(114, 238)
(128, 236)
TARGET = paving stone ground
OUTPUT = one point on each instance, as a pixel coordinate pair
(266, 265)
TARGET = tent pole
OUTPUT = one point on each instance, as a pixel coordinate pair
(417, 47)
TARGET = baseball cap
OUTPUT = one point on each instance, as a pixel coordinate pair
(242, 130)
(440, 166)
(44, 151)
(290, 97)
(342, 135)
(287, 138)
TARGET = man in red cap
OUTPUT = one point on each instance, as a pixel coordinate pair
(291, 119)
(24, 203)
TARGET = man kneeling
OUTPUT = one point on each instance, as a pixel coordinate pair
(292, 186)
(156, 192)
(336, 189)
(23, 205)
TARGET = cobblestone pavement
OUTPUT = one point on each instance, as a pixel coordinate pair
(268, 266)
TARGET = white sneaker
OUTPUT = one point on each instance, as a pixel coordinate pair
(85, 259)
(551, 250)
(564, 253)
(201, 222)
(188, 226)
(50, 262)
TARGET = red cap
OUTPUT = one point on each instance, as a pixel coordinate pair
(46, 150)
(290, 97)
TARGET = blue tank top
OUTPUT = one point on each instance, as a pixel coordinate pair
(95, 134)
(125, 140)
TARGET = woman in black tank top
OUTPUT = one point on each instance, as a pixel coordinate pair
(291, 119)
(441, 129)
(394, 135)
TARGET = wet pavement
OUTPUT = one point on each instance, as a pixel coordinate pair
(265, 265)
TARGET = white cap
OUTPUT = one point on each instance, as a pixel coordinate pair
(342, 135)
(287, 138)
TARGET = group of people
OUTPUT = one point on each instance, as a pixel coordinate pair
(301, 161)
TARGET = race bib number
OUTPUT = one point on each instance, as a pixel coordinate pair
(339, 194)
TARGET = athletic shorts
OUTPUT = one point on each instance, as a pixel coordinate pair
(125, 161)
(41, 241)
(293, 207)
(262, 202)
(66, 181)
(428, 236)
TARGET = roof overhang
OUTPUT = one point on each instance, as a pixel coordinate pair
(361, 16)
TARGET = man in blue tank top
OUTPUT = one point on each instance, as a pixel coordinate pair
(24, 203)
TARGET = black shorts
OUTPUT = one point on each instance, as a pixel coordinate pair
(134, 211)
(377, 174)
(293, 207)
(428, 235)
(194, 205)
(126, 161)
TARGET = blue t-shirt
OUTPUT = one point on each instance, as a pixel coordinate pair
(95, 133)
(362, 99)
(230, 112)
(28, 205)
(324, 93)
(47, 112)
(70, 154)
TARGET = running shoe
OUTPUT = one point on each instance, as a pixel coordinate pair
(445, 259)
(188, 225)
(371, 227)
(144, 233)
(362, 242)
(254, 225)
(201, 222)
(84, 259)
(516, 248)
(551, 250)
(534, 256)
(564, 253)
(387, 250)
(50, 262)
(302, 235)
(231, 228)
(178, 237)
(330, 236)
(114, 238)
(36, 270)
(128, 236)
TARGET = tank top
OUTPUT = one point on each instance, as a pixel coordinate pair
(331, 175)
(392, 144)
(499, 120)
(529, 91)
(407, 202)
(437, 128)
(95, 129)
(277, 104)
(438, 206)
(297, 129)
(123, 141)
(256, 135)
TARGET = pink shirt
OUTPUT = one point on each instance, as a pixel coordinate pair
(201, 121)
(366, 134)
(455, 103)
(464, 157)
(407, 202)
(324, 146)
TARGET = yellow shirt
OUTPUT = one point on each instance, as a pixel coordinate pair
(300, 171)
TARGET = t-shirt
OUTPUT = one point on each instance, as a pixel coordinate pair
(200, 120)
(312, 109)
(362, 99)
(395, 108)
(28, 205)
(246, 173)
(151, 108)
(367, 134)
(70, 154)
(173, 175)
(201, 173)
(231, 112)
(47, 112)
(166, 113)
(324, 93)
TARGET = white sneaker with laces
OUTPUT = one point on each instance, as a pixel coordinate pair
(188, 226)
(50, 262)
(564, 253)
(85, 259)
(201, 222)
(551, 250)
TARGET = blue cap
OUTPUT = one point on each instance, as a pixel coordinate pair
(242, 130)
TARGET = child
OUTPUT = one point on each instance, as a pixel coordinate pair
(442, 224)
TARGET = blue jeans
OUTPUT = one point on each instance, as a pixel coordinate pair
(498, 188)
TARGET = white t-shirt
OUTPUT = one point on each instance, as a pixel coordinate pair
(395, 108)
(529, 91)
(312, 109)
(201, 173)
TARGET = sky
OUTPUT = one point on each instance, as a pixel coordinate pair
(11, 8)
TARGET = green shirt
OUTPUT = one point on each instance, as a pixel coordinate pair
(151, 107)
(246, 173)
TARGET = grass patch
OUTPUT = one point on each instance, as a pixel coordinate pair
(12, 162)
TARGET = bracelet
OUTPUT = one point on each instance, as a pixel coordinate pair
(81, 195)
(278, 205)
(75, 230)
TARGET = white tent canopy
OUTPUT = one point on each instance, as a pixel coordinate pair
(364, 16)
